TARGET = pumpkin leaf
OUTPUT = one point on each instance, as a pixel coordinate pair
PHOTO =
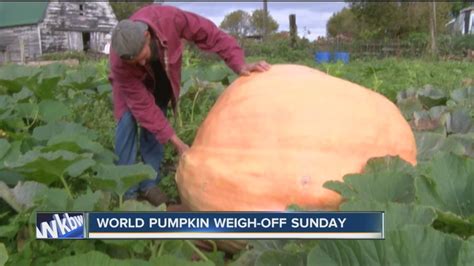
(431, 143)
(15, 77)
(458, 121)
(463, 96)
(50, 110)
(97, 258)
(53, 199)
(120, 178)
(46, 87)
(170, 260)
(214, 73)
(81, 79)
(447, 184)
(87, 201)
(78, 168)
(275, 257)
(386, 179)
(22, 196)
(3, 254)
(466, 256)
(397, 215)
(24, 94)
(26, 110)
(4, 148)
(139, 206)
(429, 97)
(45, 167)
(48, 131)
(413, 245)
(73, 143)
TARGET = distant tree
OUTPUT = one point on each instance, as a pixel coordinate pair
(393, 20)
(342, 22)
(379, 20)
(257, 22)
(123, 9)
(456, 7)
(237, 23)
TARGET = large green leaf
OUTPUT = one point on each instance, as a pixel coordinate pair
(81, 79)
(397, 215)
(11, 152)
(169, 260)
(78, 168)
(53, 199)
(97, 258)
(45, 167)
(50, 110)
(46, 88)
(15, 77)
(464, 96)
(87, 201)
(140, 206)
(48, 131)
(74, 143)
(429, 96)
(466, 256)
(458, 121)
(26, 110)
(408, 104)
(22, 196)
(386, 179)
(413, 245)
(120, 178)
(4, 148)
(214, 73)
(447, 183)
(431, 143)
(3, 254)
(22, 95)
(55, 70)
(274, 257)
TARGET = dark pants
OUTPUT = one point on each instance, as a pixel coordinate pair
(126, 143)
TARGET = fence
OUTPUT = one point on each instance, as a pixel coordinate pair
(451, 46)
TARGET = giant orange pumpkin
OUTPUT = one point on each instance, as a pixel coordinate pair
(273, 139)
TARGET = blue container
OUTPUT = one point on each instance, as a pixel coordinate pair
(341, 56)
(322, 57)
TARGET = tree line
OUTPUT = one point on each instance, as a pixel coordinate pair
(367, 21)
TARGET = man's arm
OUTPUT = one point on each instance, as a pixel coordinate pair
(208, 37)
(141, 103)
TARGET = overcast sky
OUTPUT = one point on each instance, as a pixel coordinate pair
(311, 16)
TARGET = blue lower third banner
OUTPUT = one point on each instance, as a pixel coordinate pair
(60, 225)
(235, 225)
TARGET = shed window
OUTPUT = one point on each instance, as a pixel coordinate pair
(81, 9)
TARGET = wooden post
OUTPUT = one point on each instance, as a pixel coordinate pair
(433, 29)
(293, 30)
(22, 50)
(265, 20)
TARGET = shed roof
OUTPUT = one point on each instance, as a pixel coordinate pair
(21, 13)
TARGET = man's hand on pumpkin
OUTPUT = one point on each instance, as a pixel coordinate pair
(180, 146)
(260, 66)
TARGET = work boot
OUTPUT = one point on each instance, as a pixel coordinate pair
(154, 196)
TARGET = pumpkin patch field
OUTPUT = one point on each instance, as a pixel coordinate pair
(402, 144)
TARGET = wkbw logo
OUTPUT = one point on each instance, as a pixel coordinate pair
(60, 225)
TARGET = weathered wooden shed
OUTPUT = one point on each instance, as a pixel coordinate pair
(31, 29)
(464, 23)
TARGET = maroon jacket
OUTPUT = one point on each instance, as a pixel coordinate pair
(170, 25)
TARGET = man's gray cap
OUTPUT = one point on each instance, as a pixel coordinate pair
(128, 38)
